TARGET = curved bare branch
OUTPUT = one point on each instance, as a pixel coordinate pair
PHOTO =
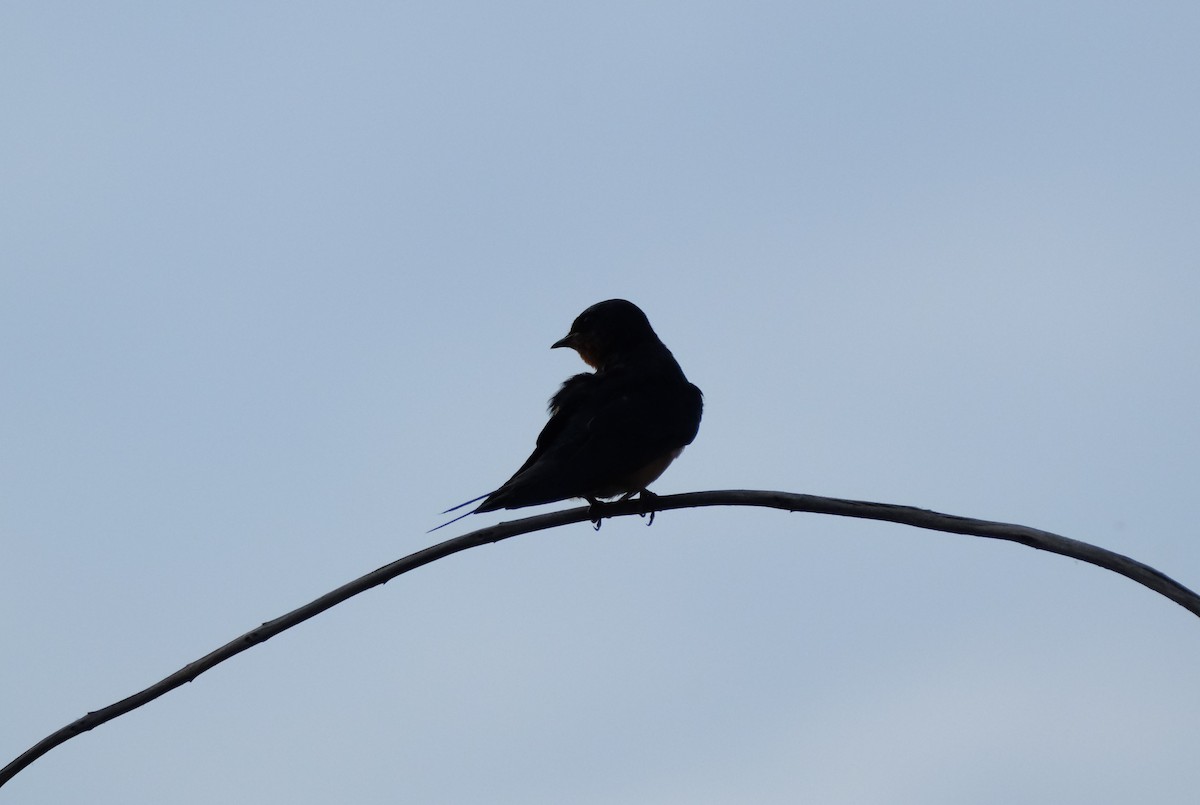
(906, 515)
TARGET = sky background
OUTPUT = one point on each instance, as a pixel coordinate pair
(278, 283)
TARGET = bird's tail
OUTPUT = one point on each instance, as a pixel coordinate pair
(461, 516)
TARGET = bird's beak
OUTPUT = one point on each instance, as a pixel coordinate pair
(569, 340)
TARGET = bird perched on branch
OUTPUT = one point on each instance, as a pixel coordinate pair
(611, 432)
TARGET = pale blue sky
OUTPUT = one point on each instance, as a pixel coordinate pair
(278, 284)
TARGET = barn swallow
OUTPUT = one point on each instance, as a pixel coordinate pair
(612, 432)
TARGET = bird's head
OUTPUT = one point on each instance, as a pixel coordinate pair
(606, 331)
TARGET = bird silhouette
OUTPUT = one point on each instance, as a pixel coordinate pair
(611, 432)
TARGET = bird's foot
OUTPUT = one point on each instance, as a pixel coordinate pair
(649, 497)
(594, 514)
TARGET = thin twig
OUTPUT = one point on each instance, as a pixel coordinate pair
(906, 515)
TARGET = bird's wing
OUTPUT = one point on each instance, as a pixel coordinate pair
(608, 431)
(563, 408)
(566, 406)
